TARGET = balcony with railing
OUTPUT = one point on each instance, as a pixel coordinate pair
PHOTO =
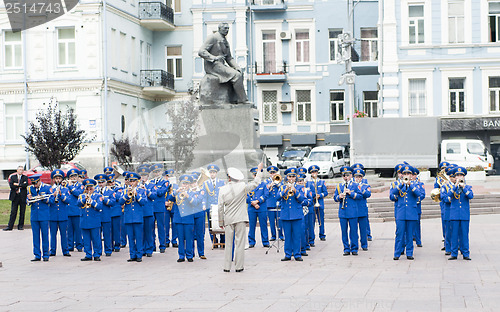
(156, 16)
(365, 56)
(267, 5)
(157, 82)
(270, 71)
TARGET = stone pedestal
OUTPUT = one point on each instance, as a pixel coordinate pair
(229, 137)
(213, 92)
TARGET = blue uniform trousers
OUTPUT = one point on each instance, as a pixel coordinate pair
(368, 229)
(92, 241)
(447, 236)
(124, 232)
(74, 233)
(349, 228)
(185, 233)
(148, 227)
(303, 241)
(418, 233)
(363, 236)
(293, 233)
(443, 226)
(63, 228)
(310, 227)
(40, 228)
(460, 237)
(199, 233)
(320, 213)
(273, 223)
(106, 234)
(169, 222)
(160, 226)
(116, 230)
(252, 220)
(135, 233)
(404, 237)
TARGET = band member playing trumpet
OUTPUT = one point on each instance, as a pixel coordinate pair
(211, 188)
(39, 197)
(406, 194)
(91, 202)
(116, 212)
(307, 204)
(75, 189)
(447, 185)
(368, 230)
(274, 183)
(319, 192)
(161, 186)
(199, 216)
(256, 200)
(364, 192)
(108, 200)
(169, 214)
(345, 195)
(58, 213)
(149, 190)
(437, 185)
(292, 214)
(417, 234)
(459, 196)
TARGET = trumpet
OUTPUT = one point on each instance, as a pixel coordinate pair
(290, 191)
(131, 191)
(64, 183)
(37, 198)
(461, 183)
(316, 204)
(406, 180)
(277, 179)
(88, 200)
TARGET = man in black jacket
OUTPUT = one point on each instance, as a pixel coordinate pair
(18, 183)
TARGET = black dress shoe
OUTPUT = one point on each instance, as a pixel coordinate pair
(149, 255)
(452, 258)
(162, 250)
(304, 254)
(312, 245)
(369, 239)
(299, 259)
(86, 259)
(286, 259)
(20, 228)
(203, 257)
(190, 260)
(419, 245)
(123, 246)
(266, 246)
(80, 250)
(97, 258)
(410, 258)
(239, 270)
(467, 258)
(7, 229)
(395, 258)
(138, 260)
(108, 255)
(180, 260)
(131, 260)
(67, 255)
(272, 239)
(443, 248)
(45, 259)
(447, 253)
(116, 250)
(36, 259)
(346, 253)
(365, 249)
(227, 271)
(354, 253)
(323, 239)
(251, 246)
(175, 245)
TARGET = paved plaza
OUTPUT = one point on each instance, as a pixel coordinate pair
(324, 281)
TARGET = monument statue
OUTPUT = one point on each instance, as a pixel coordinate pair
(223, 81)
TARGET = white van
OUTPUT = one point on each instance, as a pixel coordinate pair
(467, 153)
(329, 159)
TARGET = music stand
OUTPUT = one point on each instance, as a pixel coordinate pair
(277, 241)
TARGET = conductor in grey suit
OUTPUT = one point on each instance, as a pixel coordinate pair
(233, 214)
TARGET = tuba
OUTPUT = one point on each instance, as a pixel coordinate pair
(436, 193)
(203, 177)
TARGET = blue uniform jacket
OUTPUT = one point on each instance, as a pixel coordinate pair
(348, 207)
(291, 206)
(184, 208)
(40, 209)
(459, 202)
(162, 187)
(199, 195)
(421, 198)
(132, 212)
(406, 197)
(260, 193)
(108, 200)
(273, 197)
(150, 192)
(445, 201)
(74, 192)
(364, 192)
(59, 207)
(320, 186)
(116, 208)
(308, 200)
(91, 216)
(211, 196)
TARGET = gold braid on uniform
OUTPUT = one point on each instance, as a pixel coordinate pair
(208, 191)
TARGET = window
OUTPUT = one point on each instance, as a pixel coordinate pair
(453, 148)
(476, 149)
(369, 51)
(337, 105)
(123, 54)
(133, 59)
(123, 117)
(148, 55)
(302, 46)
(14, 122)
(270, 103)
(494, 20)
(175, 4)
(370, 103)
(416, 97)
(456, 21)
(494, 89)
(416, 23)
(66, 46)
(114, 49)
(456, 95)
(333, 38)
(65, 106)
(13, 49)
(174, 61)
(303, 105)
(269, 51)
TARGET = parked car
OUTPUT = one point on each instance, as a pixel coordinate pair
(467, 153)
(293, 157)
(45, 172)
(329, 159)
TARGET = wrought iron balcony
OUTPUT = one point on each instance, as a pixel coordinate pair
(156, 16)
(270, 71)
(268, 5)
(157, 82)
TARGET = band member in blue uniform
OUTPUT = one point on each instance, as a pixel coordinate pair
(459, 196)
(365, 181)
(59, 213)
(108, 170)
(256, 200)
(75, 189)
(169, 214)
(134, 199)
(199, 216)
(406, 193)
(437, 185)
(319, 192)
(147, 210)
(184, 201)
(450, 172)
(108, 200)
(272, 202)
(126, 184)
(39, 197)
(364, 192)
(91, 203)
(116, 212)
(211, 188)
(417, 234)
(82, 175)
(161, 186)
(346, 195)
(306, 206)
(292, 196)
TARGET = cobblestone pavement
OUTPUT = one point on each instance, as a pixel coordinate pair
(324, 281)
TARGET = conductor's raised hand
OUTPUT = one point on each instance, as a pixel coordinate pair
(260, 167)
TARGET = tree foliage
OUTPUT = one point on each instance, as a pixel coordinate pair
(128, 152)
(54, 137)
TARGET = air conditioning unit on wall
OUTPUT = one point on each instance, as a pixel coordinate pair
(286, 107)
(285, 35)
